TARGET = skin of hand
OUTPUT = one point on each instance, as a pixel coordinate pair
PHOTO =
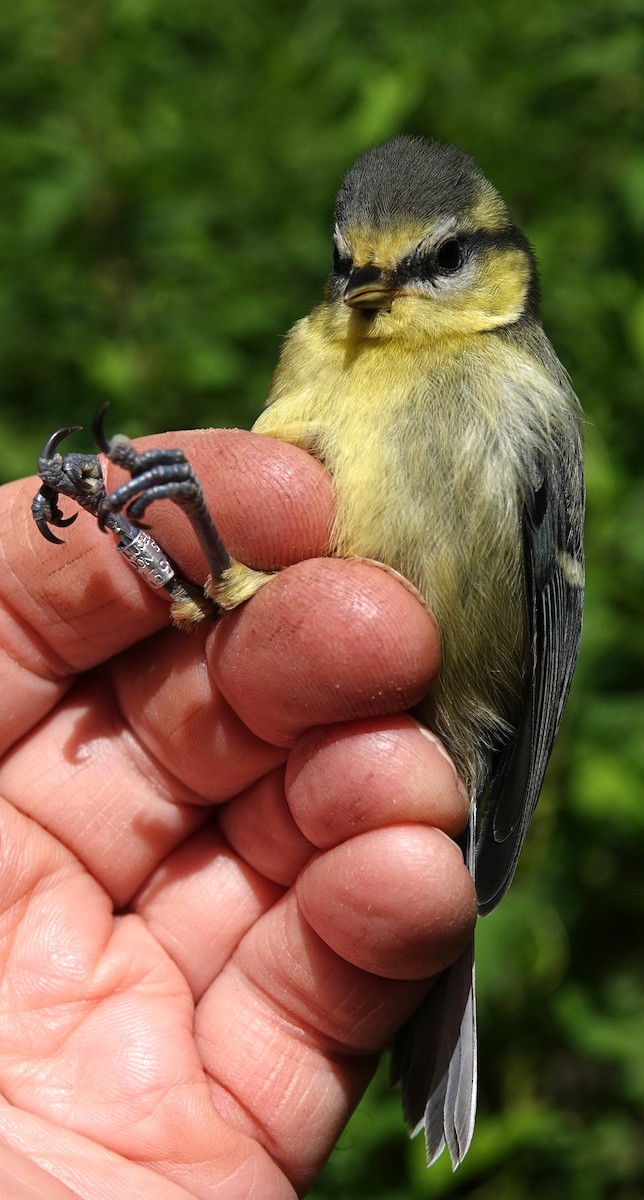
(227, 858)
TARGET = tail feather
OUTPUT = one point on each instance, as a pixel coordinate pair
(434, 1057)
(434, 1060)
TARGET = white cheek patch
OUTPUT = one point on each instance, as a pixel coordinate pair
(460, 281)
(453, 284)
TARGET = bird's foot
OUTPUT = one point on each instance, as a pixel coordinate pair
(154, 475)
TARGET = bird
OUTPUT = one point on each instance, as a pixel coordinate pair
(425, 383)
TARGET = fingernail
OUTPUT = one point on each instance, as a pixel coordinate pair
(443, 752)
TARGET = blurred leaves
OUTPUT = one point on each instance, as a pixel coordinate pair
(167, 178)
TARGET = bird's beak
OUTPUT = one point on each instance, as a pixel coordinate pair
(368, 289)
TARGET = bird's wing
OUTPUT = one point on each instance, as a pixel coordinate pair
(553, 556)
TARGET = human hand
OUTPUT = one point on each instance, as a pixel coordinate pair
(226, 875)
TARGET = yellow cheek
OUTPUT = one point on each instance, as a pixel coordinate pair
(496, 296)
(504, 280)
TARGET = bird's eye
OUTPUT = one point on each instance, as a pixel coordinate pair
(342, 264)
(449, 256)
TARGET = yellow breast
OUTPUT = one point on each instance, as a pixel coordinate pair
(411, 436)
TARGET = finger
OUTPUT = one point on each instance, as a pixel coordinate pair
(335, 791)
(342, 780)
(66, 608)
(226, 882)
(351, 896)
(200, 903)
(345, 779)
(259, 825)
(168, 699)
(325, 641)
(311, 1020)
(88, 776)
(285, 657)
(205, 896)
(85, 780)
(272, 503)
(80, 601)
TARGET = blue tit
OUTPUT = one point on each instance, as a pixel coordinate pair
(426, 385)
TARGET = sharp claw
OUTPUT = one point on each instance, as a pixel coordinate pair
(105, 515)
(46, 512)
(98, 433)
(134, 512)
(63, 522)
(47, 533)
(51, 445)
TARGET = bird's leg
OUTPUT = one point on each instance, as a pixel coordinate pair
(156, 474)
(167, 475)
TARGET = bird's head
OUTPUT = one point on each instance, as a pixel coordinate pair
(424, 247)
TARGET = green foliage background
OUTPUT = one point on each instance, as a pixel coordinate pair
(167, 173)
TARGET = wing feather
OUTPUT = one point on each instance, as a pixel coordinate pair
(552, 522)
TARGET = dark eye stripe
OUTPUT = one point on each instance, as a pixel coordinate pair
(428, 268)
(342, 264)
